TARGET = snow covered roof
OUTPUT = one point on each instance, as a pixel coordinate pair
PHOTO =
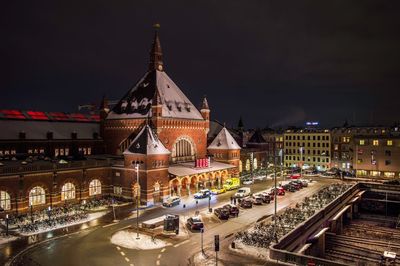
(146, 142)
(138, 101)
(224, 141)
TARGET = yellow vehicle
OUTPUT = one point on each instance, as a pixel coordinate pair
(232, 183)
(216, 191)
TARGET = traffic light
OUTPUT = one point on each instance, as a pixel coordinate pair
(216, 242)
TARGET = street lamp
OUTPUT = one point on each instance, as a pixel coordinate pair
(31, 211)
(49, 212)
(301, 162)
(137, 163)
(6, 224)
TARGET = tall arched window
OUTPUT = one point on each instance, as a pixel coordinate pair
(240, 166)
(94, 187)
(37, 196)
(5, 202)
(183, 150)
(68, 191)
(255, 163)
(247, 165)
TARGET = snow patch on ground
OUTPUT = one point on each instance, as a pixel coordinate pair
(91, 216)
(205, 260)
(127, 239)
(6, 239)
(243, 249)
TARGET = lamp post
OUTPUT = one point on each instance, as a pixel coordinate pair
(31, 212)
(49, 212)
(275, 198)
(301, 162)
(6, 224)
(137, 163)
(202, 231)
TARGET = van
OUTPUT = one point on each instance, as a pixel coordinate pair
(243, 192)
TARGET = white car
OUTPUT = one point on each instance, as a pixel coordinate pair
(247, 182)
(243, 192)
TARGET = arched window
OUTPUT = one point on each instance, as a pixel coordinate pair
(247, 165)
(255, 163)
(240, 166)
(5, 202)
(68, 191)
(37, 196)
(95, 187)
(183, 150)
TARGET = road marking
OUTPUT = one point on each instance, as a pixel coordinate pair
(162, 250)
(124, 227)
(159, 256)
(118, 248)
(126, 259)
(122, 253)
(107, 225)
(158, 262)
(179, 244)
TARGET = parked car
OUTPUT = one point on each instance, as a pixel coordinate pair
(246, 203)
(280, 191)
(216, 191)
(194, 223)
(248, 181)
(289, 187)
(296, 185)
(233, 210)
(266, 193)
(172, 201)
(265, 197)
(295, 176)
(243, 192)
(257, 200)
(204, 193)
(304, 182)
(222, 213)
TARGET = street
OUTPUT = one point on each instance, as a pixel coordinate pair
(92, 246)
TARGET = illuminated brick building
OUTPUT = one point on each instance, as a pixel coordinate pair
(153, 124)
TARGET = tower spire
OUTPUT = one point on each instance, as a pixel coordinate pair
(156, 62)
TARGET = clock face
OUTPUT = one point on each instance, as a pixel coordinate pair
(160, 67)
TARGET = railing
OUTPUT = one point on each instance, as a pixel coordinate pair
(298, 236)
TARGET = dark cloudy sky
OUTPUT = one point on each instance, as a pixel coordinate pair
(273, 62)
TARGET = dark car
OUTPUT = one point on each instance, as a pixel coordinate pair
(265, 197)
(297, 185)
(172, 201)
(222, 213)
(246, 203)
(289, 187)
(194, 223)
(233, 210)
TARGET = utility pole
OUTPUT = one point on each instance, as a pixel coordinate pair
(275, 198)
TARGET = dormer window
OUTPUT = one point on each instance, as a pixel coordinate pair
(124, 104)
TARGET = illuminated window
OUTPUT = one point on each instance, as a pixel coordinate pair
(389, 142)
(95, 187)
(56, 152)
(362, 142)
(89, 151)
(37, 196)
(68, 191)
(247, 165)
(375, 173)
(5, 202)
(240, 166)
(389, 174)
(361, 173)
(30, 151)
(255, 163)
(117, 190)
(13, 152)
(66, 151)
(375, 142)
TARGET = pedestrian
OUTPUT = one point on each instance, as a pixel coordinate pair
(231, 199)
(234, 201)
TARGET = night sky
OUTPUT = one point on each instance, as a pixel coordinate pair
(275, 63)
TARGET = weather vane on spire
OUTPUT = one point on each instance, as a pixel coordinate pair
(156, 26)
